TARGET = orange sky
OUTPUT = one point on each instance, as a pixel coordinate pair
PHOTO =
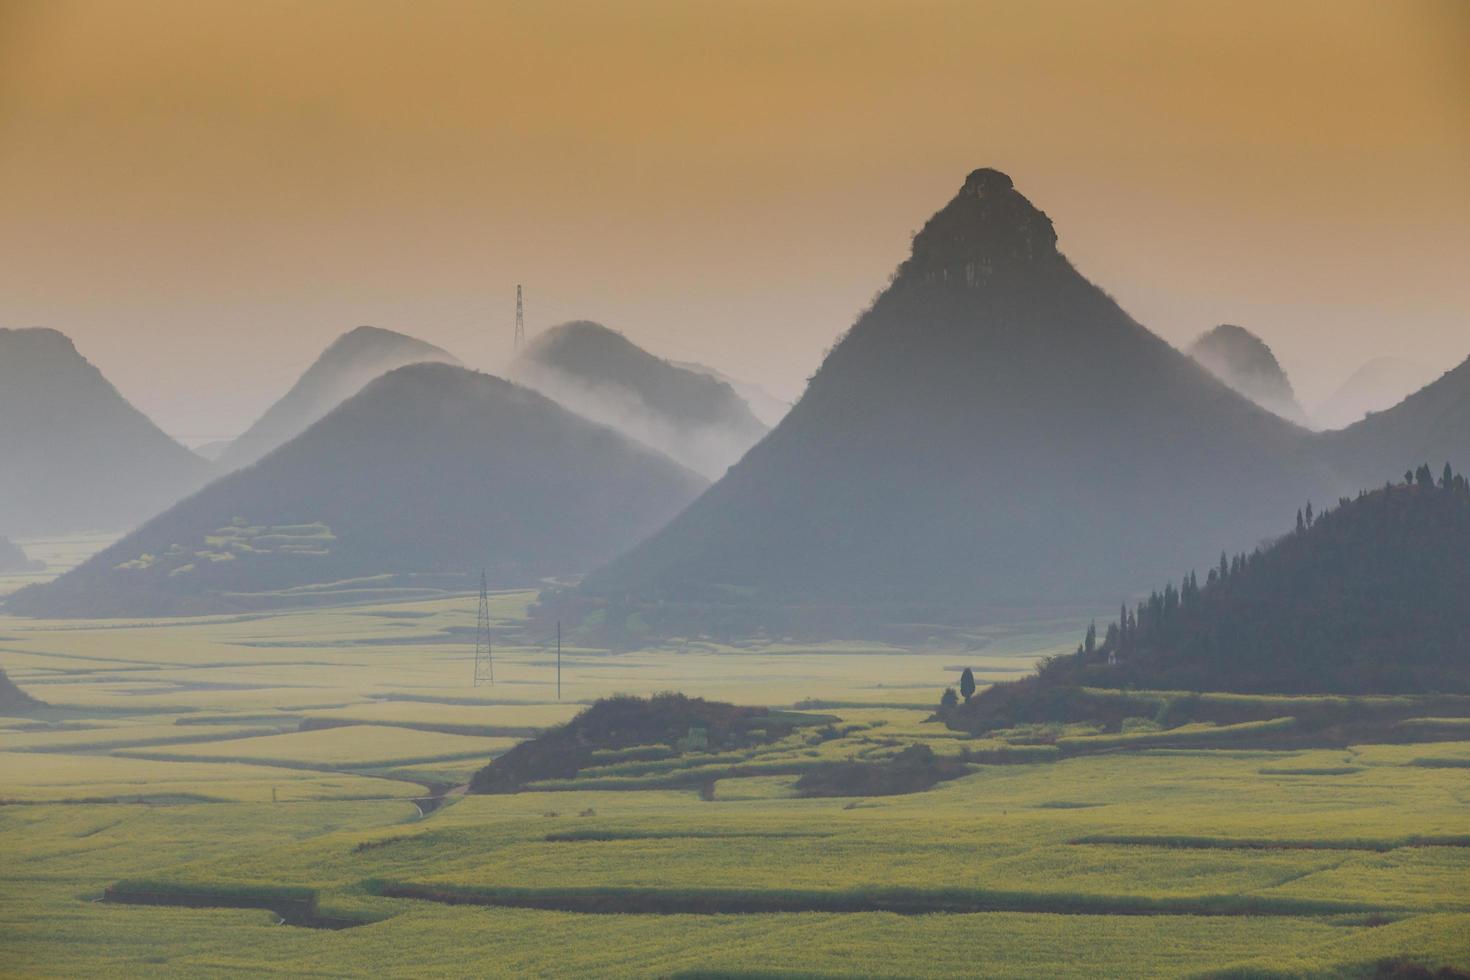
(204, 193)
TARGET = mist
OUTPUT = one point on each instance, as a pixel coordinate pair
(1009, 518)
(705, 449)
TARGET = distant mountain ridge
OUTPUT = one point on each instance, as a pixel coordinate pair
(689, 415)
(766, 407)
(348, 363)
(428, 475)
(993, 430)
(1376, 386)
(74, 454)
(1245, 362)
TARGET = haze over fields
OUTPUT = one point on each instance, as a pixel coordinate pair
(839, 488)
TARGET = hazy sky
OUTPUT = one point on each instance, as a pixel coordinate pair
(202, 194)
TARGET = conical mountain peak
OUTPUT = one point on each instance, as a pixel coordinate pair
(601, 374)
(1246, 363)
(988, 225)
(65, 432)
(349, 362)
(993, 428)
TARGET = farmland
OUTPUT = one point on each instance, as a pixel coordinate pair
(308, 760)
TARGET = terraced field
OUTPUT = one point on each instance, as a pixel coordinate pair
(201, 793)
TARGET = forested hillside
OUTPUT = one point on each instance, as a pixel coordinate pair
(1368, 596)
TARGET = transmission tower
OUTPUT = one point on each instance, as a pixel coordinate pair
(520, 320)
(484, 660)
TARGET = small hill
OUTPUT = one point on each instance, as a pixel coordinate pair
(1244, 362)
(673, 723)
(13, 701)
(763, 405)
(431, 470)
(690, 416)
(351, 361)
(912, 770)
(993, 432)
(1380, 384)
(74, 454)
(13, 559)
(1367, 598)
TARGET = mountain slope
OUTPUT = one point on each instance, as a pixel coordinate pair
(1381, 383)
(74, 454)
(1244, 362)
(351, 361)
(693, 417)
(429, 470)
(1368, 599)
(1432, 423)
(993, 430)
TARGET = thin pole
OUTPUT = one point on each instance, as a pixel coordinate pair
(520, 337)
(558, 660)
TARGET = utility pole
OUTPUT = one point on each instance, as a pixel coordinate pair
(558, 660)
(484, 656)
(520, 321)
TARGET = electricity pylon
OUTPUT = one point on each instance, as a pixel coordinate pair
(520, 321)
(484, 659)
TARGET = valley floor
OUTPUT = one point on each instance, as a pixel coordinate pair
(303, 766)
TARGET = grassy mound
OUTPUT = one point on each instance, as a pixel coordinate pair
(913, 770)
(679, 723)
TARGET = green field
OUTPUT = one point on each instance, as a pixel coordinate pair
(282, 762)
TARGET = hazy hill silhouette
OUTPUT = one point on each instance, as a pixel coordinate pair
(766, 407)
(993, 430)
(348, 363)
(1245, 362)
(429, 469)
(13, 558)
(1432, 423)
(695, 418)
(1367, 599)
(74, 454)
(1381, 383)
